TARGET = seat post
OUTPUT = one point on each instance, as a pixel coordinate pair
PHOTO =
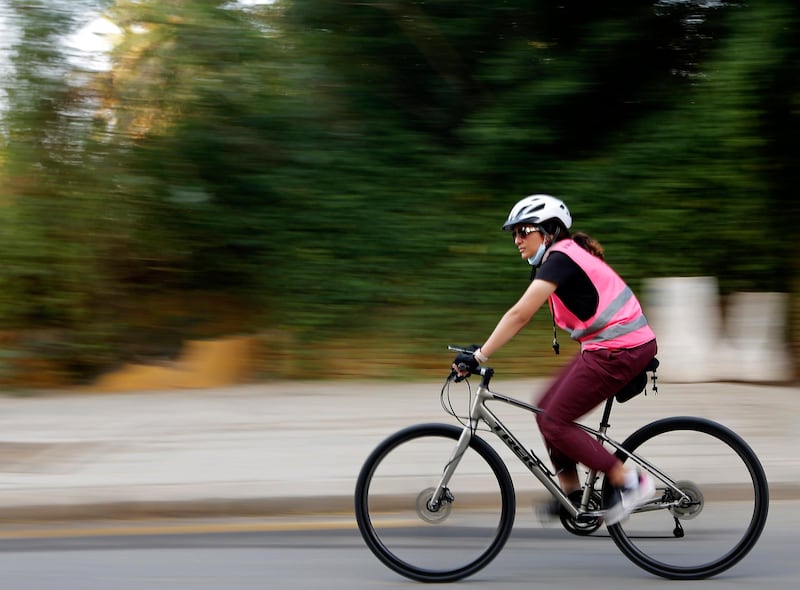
(604, 423)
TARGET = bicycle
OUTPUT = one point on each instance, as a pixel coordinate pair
(455, 518)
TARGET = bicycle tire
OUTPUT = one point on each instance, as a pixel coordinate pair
(728, 508)
(419, 544)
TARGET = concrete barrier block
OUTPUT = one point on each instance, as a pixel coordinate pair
(685, 314)
(756, 346)
(695, 342)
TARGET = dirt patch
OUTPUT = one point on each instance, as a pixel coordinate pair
(201, 364)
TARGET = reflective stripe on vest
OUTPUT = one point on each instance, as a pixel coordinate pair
(619, 330)
(602, 319)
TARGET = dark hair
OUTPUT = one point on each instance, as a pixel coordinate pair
(589, 244)
(585, 241)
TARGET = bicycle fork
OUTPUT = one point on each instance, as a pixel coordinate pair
(441, 493)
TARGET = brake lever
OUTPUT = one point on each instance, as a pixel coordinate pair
(459, 378)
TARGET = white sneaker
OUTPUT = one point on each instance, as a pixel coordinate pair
(625, 500)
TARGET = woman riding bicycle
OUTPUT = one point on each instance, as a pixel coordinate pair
(588, 299)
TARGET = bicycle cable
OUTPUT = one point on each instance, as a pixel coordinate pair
(444, 394)
(447, 405)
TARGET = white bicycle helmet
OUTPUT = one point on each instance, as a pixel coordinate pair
(537, 209)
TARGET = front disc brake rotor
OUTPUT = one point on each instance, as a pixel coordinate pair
(434, 513)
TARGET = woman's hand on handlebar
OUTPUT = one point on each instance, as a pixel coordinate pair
(465, 363)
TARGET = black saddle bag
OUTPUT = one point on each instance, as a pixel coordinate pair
(638, 383)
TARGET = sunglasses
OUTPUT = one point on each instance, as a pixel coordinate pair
(524, 232)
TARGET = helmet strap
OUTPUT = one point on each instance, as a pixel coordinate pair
(547, 241)
(554, 235)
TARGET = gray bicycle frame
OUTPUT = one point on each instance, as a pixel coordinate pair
(479, 412)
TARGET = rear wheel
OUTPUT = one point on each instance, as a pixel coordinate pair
(423, 537)
(714, 514)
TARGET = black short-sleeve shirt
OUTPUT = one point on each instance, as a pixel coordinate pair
(573, 285)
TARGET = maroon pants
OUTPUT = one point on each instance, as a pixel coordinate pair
(585, 382)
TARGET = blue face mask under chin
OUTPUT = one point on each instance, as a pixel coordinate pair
(537, 258)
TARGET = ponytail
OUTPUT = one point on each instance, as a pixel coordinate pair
(589, 244)
(556, 228)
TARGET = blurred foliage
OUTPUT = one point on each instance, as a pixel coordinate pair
(334, 173)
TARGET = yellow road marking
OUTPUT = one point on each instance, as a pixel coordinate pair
(168, 528)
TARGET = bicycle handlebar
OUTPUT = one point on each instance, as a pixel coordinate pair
(486, 373)
(457, 349)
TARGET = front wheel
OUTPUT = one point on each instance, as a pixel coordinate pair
(428, 538)
(709, 514)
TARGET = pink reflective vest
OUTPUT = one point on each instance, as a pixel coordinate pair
(618, 321)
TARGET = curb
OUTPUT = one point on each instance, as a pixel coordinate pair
(280, 507)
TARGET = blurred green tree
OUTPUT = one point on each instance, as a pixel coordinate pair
(57, 292)
(336, 171)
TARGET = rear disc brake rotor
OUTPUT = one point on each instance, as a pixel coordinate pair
(692, 505)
